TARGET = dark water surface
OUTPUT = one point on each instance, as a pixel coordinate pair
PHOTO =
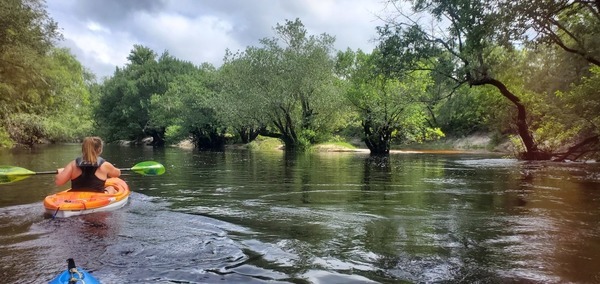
(268, 217)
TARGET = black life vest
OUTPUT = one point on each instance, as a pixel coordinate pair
(88, 181)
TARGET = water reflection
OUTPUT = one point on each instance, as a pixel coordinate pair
(252, 217)
(376, 169)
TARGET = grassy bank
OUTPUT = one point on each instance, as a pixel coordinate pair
(478, 142)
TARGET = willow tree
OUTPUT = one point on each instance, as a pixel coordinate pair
(389, 108)
(239, 106)
(291, 81)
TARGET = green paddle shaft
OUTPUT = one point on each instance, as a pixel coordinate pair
(10, 174)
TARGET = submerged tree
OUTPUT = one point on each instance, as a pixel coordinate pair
(389, 108)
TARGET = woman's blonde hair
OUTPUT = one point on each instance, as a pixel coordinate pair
(91, 149)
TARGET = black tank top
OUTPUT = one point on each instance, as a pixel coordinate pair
(88, 181)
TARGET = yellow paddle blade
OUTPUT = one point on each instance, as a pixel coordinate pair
(10, 174)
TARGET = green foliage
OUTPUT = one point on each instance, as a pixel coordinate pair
(141, 55)
(25, 37)
(462, 45)
(419, 83)
(285, 88)
(5, 141)
(174, 134)
(239, 105)
(469, 110)
(413, 127)
(556, 93)
(262, 143)
(581, 108)
(124, 107)
(390, 108)
(27, 34)
(43, 89)
(187, 108)
(588, 92)
(26, 23)
(69, 115)
(27, 129)
(572, 26)
(466, 113)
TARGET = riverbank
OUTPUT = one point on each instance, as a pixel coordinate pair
(474, 143)
(477, 142)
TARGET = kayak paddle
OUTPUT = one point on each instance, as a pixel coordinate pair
(10, 174)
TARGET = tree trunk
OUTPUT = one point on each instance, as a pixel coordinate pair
(157, 139)
(209, 140)
(532, 151)
(574, 149)
(248, 134)
(377, 141)
(287, 130)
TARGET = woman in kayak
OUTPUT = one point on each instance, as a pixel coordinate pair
(88, 172)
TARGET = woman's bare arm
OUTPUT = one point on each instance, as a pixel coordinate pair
(111, 170)
(64, 174)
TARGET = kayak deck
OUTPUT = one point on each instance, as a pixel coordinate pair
(74, 275)
(70, 203)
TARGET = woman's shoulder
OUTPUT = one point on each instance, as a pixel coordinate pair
(105, 163)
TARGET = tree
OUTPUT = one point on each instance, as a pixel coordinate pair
(463, 50)
(239, 105)
(69, 114)
(291, 77)
(583, 116)
(124, 111)
(390, 108)
(572, 25)
(188, 109)
(27, 34)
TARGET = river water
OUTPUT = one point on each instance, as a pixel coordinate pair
(269, 217)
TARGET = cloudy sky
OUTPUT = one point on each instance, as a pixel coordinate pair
(101, 33)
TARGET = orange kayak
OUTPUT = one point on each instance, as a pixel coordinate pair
(71, 203)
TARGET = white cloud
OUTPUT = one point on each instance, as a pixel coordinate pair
(101, 33)
(95, 27)
(201, 39)
(101, 46)
(351, 22)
